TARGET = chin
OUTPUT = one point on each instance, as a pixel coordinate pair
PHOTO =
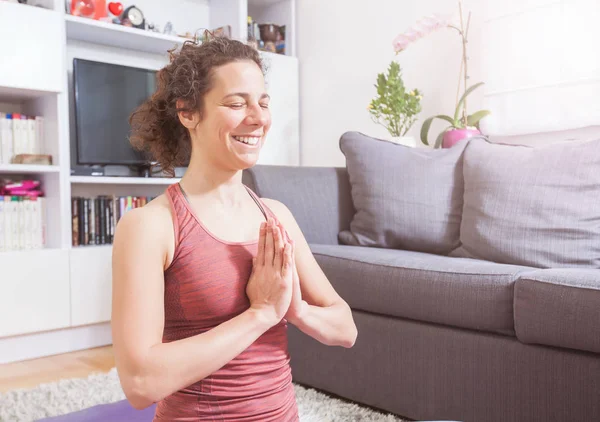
(246, 164)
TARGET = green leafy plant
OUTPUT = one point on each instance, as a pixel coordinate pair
(394, 108)
(458, 121)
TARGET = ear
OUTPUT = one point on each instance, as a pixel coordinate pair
(189, 119)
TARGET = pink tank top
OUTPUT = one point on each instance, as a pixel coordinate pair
(205, 285)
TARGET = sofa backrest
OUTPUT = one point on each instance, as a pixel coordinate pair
(535, 206)
(318, 197)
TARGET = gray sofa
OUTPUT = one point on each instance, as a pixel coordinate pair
(445, 335)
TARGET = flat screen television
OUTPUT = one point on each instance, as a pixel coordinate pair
(105, 96)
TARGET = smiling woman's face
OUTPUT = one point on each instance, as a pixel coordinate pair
(236, 115)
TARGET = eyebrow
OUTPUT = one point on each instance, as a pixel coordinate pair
(245, 95)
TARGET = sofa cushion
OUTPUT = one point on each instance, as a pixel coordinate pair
(405, 198)
(532, 206)
(459, 292)
(559, 307)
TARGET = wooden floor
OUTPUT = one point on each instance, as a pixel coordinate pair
(30, 373)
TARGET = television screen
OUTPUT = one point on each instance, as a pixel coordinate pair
(105, 96)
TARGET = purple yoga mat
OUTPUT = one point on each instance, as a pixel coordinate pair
(120, 411)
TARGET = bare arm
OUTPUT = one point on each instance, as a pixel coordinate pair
(323, 314)
(150, 370)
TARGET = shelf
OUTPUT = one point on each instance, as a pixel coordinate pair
(98, 32)
(263, 3)
(116, 180)
(9, 94)
(28, 168)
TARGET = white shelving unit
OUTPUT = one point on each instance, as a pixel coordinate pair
(57, 299)
(27, 169)
(112, 180)
(109, 34)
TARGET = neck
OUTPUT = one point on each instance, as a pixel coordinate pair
(207, 179)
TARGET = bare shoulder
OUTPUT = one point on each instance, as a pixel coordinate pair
(285, 216)
(279, 208)
(150, 226)
(152, 217)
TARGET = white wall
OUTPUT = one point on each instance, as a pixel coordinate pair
(342, 45)
(543, 66)
(538, 58)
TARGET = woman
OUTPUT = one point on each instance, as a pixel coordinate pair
(207, 276)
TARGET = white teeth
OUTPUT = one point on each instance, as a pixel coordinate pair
(250, 140)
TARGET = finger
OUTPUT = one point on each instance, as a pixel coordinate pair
(260, 255)
(282, 240)
(295, 268)
(287, 261)
(278, 248)
(269, 244)
(286, 236)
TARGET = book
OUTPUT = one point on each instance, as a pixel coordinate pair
(94, 219)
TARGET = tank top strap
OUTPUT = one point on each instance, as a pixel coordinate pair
(263, 207)
(178, 209)
(266, 210)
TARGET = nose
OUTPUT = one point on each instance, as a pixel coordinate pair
(257, 115)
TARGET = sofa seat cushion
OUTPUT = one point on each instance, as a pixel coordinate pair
(460, 292)
(559, 307)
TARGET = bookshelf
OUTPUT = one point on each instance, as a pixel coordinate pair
(57, 299)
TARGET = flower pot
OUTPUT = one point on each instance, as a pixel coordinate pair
(453, 136)
(408, 141)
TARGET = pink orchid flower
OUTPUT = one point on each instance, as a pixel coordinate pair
(423, 27)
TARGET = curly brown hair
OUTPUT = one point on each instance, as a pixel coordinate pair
(155, 126)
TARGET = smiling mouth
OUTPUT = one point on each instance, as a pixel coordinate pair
(248, 140)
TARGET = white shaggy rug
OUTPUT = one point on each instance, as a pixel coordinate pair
(71, 395)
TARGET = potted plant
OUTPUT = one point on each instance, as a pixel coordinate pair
(462, 124)
(394, 107)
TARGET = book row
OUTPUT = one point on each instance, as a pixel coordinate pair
(94, 219)
(22, 222)
(20, 134)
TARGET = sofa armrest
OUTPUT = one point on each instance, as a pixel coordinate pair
(318, 197)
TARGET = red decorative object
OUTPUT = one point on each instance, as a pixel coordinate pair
(83, 8)
(115, 8)
(94, 9)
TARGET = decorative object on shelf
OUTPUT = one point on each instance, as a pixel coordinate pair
(395, 108)
(29, 3)
(94, 9)
(37, 159)
(461, 124)
(200, 35)
(133, 16)
(169, 29)
(253, 34)
(115, 8)
(20, 188)
(152, 27)
(222, 31)
(270, 34)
